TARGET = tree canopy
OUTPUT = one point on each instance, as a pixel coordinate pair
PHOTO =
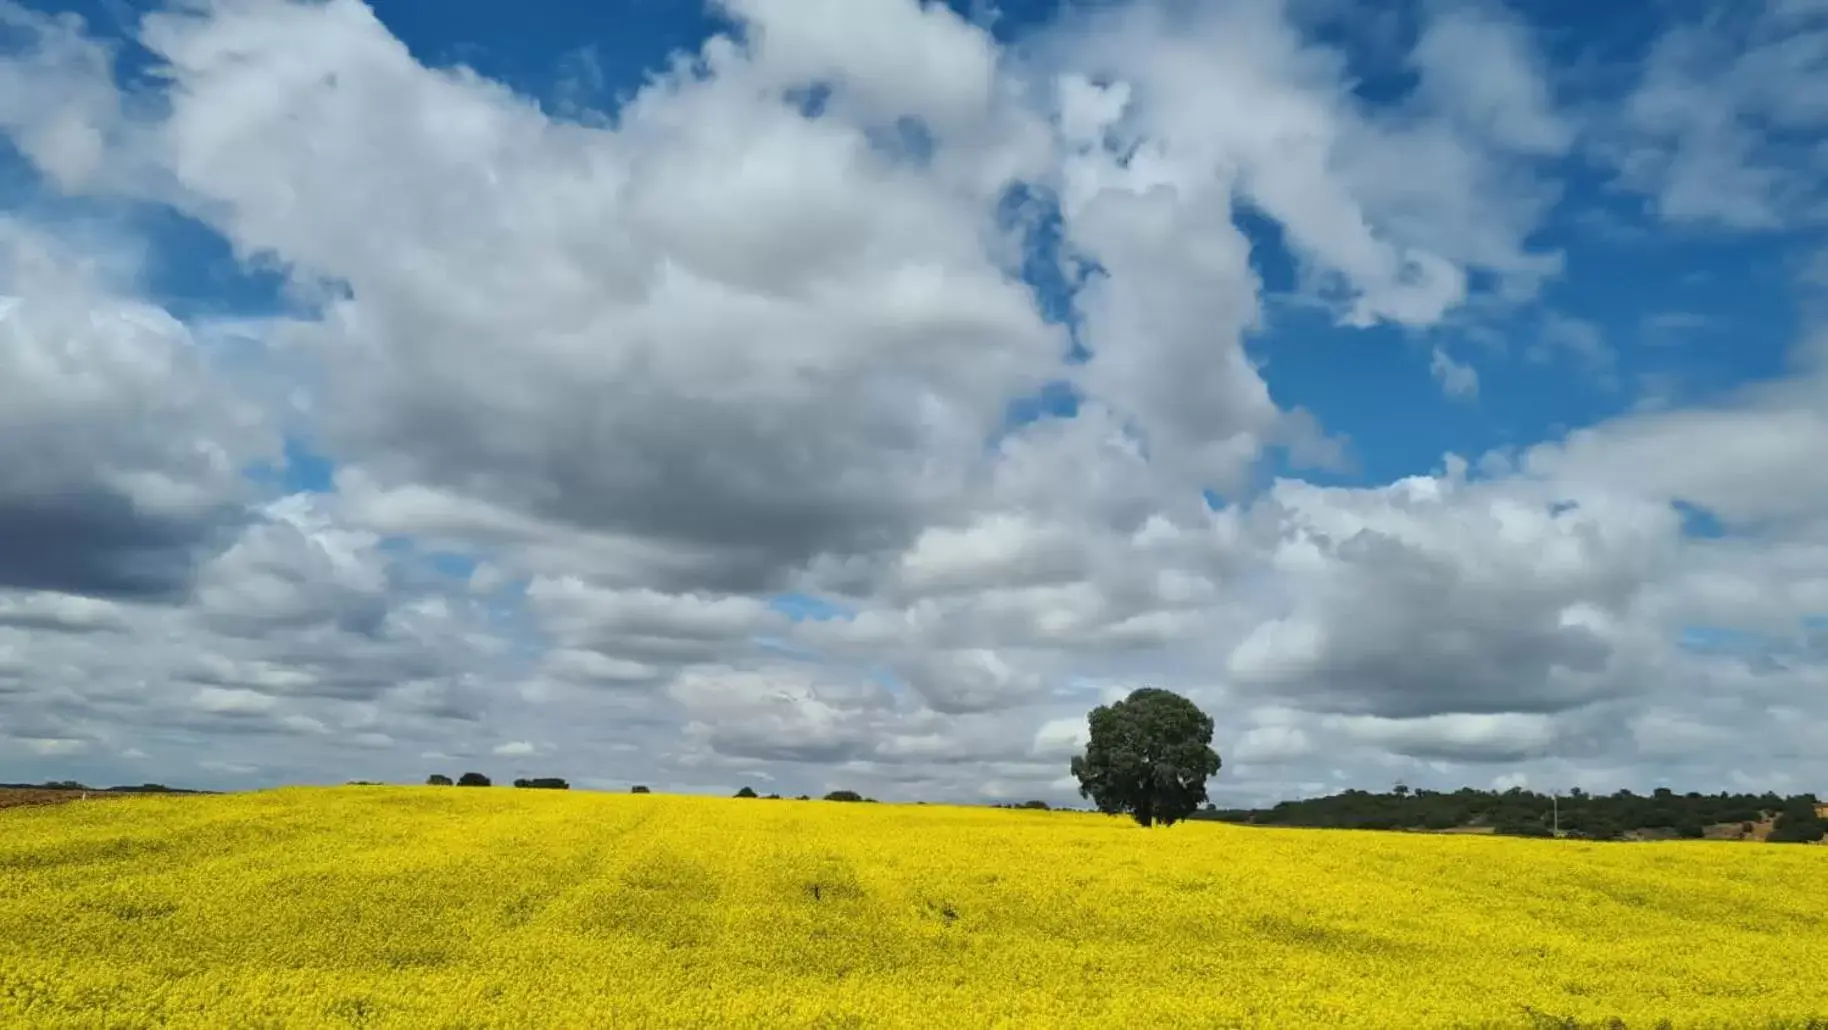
(1149, 756)
(472, 779)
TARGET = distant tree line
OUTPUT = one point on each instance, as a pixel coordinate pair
(144, 788)
(1517, 812)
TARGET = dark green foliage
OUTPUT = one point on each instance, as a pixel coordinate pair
(362, 783)
(1796, 831)
(1149, 756)
(543, 783)
(472, 779)
(1520, 827)
(639, 788)
(844, 795)
(803, 797)
(1797, 822)
(1437, 820)
(774, 797)
(437, 780)
(1516, 811)
(746, 792)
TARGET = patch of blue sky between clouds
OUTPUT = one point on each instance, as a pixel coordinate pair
(1054, 277)
(306, 470)
(300, 470)
(885, 677)
(1761, 649)
(1698, 521)
(907, 140)
(414, 554)
(1054, 274)
(808, 608)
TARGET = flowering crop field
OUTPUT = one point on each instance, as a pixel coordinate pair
(454, 907)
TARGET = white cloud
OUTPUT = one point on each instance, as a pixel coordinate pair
(55, 98)
(1267, 745)
(1725, 126)
(1459, 381)
(1460, 736)
(120, 444)
(1478, 64)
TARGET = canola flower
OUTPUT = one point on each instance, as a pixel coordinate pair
(448, 907)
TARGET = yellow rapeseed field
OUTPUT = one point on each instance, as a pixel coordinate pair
(452, 907)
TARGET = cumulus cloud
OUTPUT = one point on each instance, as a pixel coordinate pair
(596, 389)
(1458, 379)
(121, 448)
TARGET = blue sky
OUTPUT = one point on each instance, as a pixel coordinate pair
(583, 391)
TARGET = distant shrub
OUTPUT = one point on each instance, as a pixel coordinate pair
(639, 788)
(1791, 830)
(362, 783)
(437, 780)
(746, 792)
(543, 783)
(803, 797)
(774, 797)
(844, 795)
(472, 779)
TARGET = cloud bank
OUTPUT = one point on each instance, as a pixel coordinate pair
(675, 444)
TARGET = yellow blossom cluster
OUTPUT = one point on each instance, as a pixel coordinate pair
(454, 907)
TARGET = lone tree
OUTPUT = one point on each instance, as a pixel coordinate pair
(1149, 756)
(472, 779)
(437, 780)
(746, 792)
(639, 789)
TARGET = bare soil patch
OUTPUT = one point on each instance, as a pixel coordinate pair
(14, 797)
